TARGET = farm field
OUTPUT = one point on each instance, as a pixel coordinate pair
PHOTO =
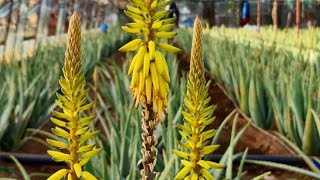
(157, 89)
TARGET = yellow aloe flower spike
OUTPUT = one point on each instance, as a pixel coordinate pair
(149, 69)
(70, 125)
(197, 115)
(149, 63)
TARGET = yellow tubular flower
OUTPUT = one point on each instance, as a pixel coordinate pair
(149, 70)
(197, 115)
(73, 101)
(149, 63)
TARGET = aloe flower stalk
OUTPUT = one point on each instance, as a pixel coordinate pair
(149, 70)
(70, 123)
(197, 116)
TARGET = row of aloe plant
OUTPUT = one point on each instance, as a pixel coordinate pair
(307, 39)
(122, 125)
(121, 135)
(272, 87)
(29, 86)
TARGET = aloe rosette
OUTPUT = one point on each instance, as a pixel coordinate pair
(197, 116)
(71, 125)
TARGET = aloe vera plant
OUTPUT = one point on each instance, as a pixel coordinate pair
(70, 124)
(31, 99)
(120, 122)
(196, 114)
